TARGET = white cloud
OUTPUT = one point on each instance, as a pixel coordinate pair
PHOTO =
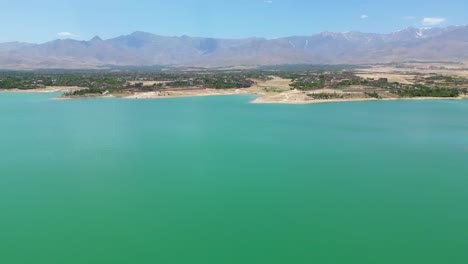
(432, 21)
(364, 16)
(66, 34)
(268, 2)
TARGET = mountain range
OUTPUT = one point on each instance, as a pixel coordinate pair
(146, 49)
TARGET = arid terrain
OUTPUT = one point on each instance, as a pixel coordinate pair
(278, 90)
(287, 85)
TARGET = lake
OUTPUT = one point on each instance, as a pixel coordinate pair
(219, 180)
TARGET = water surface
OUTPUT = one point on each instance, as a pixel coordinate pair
(218, 180)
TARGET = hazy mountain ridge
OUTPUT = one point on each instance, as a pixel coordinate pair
(142, 49)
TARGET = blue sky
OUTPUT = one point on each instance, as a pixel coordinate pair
(44, 20)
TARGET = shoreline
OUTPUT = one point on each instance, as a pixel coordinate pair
(259, 101)
(262, 98)
(50, 89)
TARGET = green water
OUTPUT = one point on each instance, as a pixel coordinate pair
(218, 180)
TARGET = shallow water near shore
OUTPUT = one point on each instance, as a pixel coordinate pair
(219, 180)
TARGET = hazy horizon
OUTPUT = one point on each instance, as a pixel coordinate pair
(247, 37)
(33, 22)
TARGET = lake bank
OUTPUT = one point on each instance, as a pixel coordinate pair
(50, 89)
(288, 97)
(274, 91)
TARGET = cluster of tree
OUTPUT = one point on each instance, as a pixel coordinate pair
(309, 81)
(216, 81)
(382, 83)
(373, 95)
(325, 96)
(32, 80)
(303, 77)
(317, 80)
(11, 82)
(198, 75)
(85, 92)
(227, 84)
(420, 90)
(443, 80)
(307, 86)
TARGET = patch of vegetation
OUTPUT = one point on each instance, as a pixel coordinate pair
(41, 79)
(303, 77)
(307, 86)
(325, 96)
(420, 90)
(271, 90)
(373, 95)
(85, 92)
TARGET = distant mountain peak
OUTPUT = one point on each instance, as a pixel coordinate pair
(96, 39)
(141, 34)
(145, 49)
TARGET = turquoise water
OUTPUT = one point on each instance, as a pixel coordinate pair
(218, 180)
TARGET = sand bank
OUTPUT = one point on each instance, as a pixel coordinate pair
(52, 89)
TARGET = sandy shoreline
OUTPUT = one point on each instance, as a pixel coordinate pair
(260, 100)
(189, 93)
(285, 97)
(54, 89)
